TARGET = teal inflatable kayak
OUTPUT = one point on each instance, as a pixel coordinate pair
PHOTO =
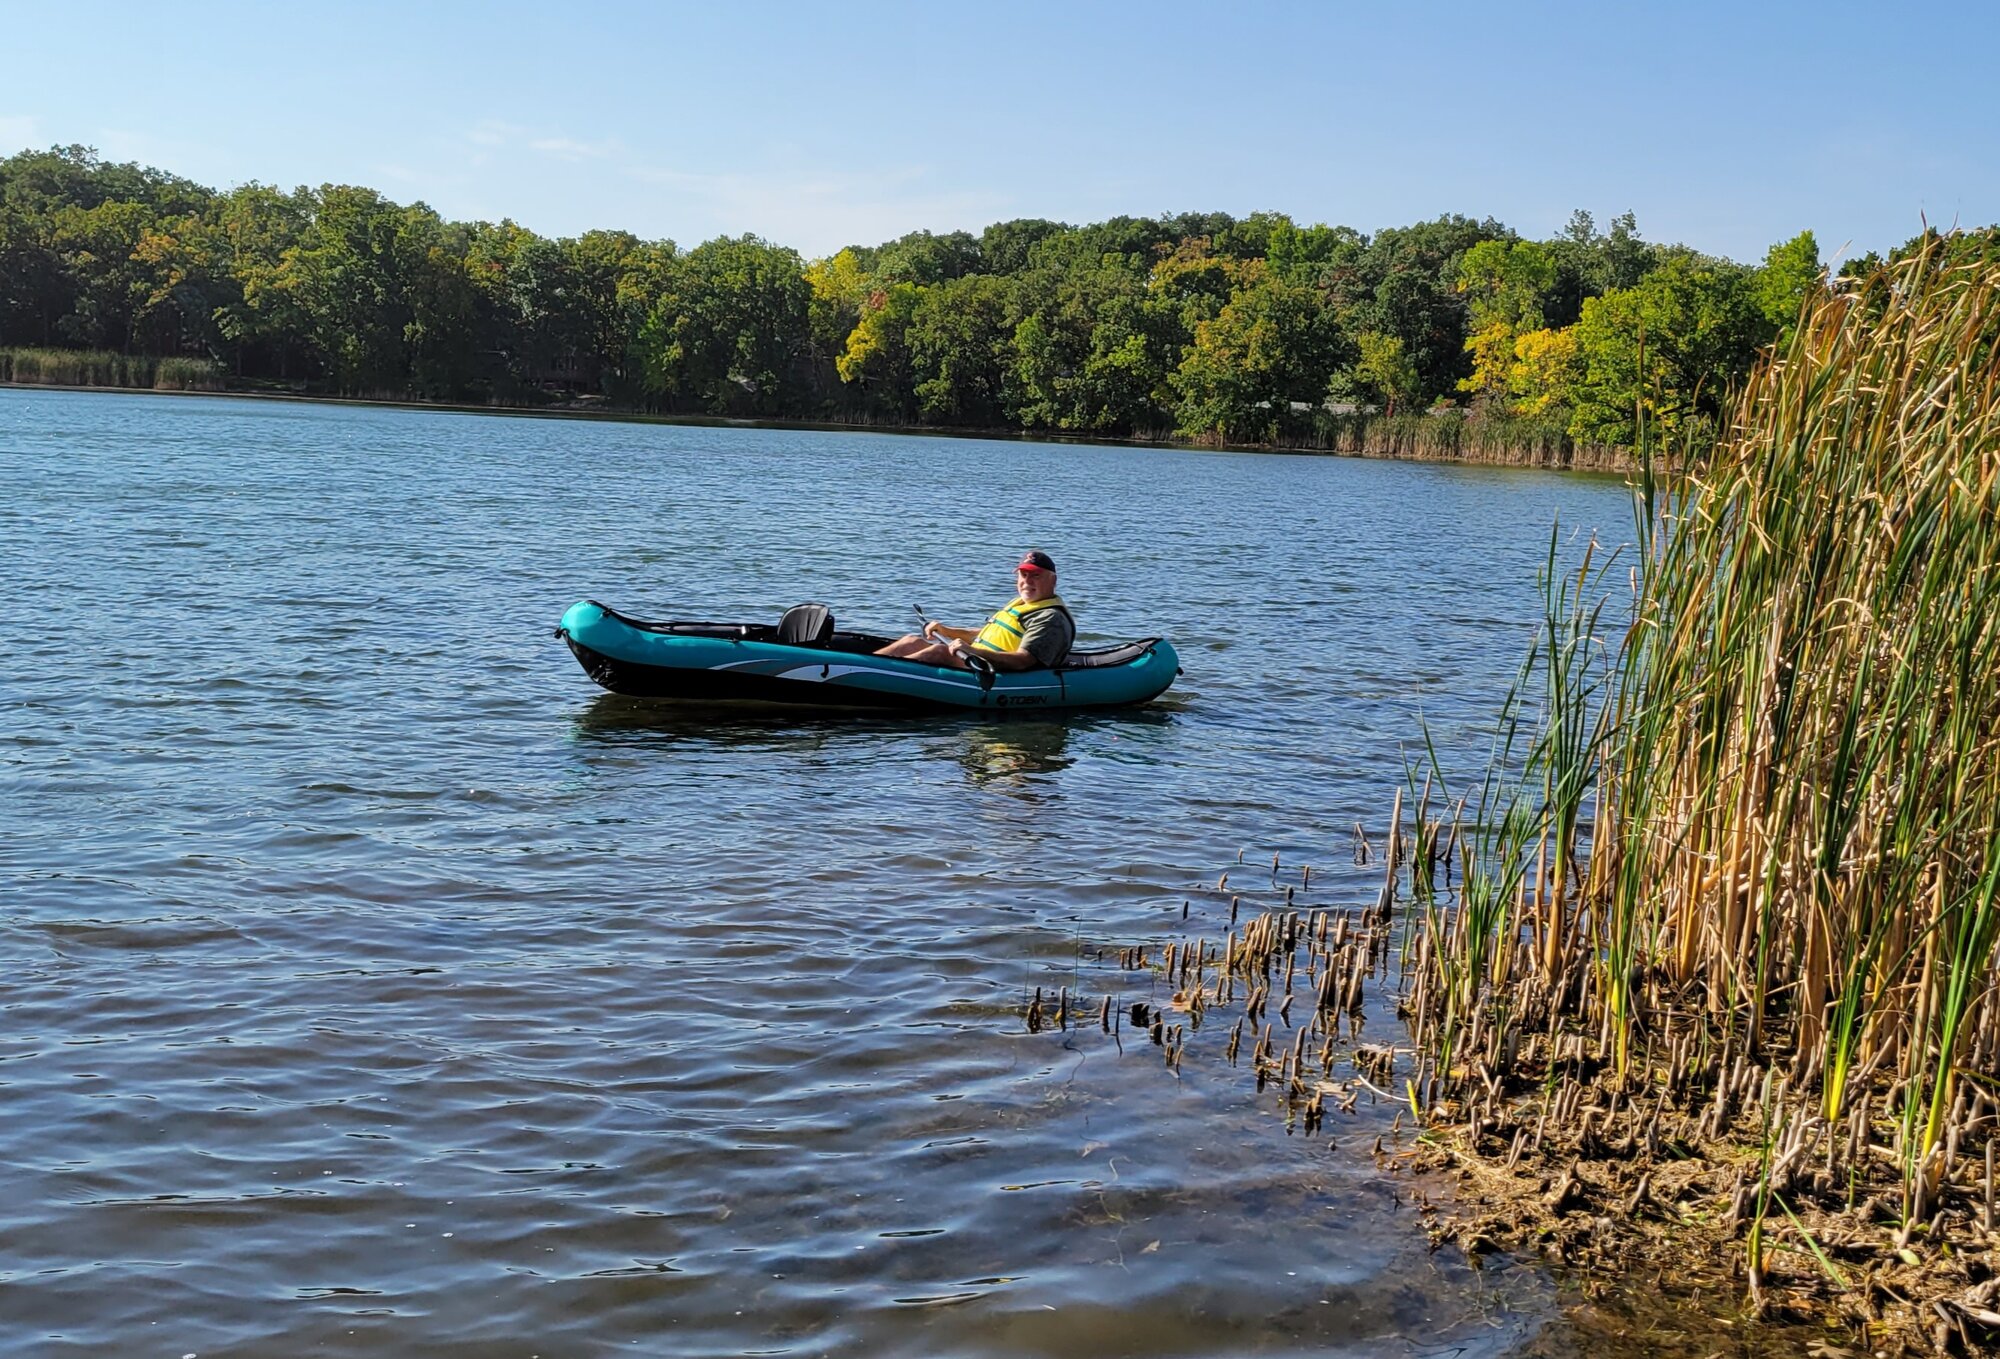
(804, 660)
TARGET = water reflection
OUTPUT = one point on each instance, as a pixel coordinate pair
(1018, 757)
(990, 747)
(1014, 757)
(616, 719)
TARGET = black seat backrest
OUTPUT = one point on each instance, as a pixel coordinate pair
(806, 625)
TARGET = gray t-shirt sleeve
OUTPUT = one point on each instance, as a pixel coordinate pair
(1047, 635)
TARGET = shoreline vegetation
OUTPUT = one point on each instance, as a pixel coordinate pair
(1721, 973)
(1457, 337)
(1448, 436)
(1701, 978)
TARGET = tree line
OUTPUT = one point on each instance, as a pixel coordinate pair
(1200, 325)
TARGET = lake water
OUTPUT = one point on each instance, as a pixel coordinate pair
(375, 985)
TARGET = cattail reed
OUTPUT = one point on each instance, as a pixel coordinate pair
(1736, 865)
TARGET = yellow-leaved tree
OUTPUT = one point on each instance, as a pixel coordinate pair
(1543, 374)
(1504, 283)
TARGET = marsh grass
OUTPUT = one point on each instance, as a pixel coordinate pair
(1487, 435)
(101, 368)
(1741, 876)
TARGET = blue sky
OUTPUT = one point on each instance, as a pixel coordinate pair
(1726, 126)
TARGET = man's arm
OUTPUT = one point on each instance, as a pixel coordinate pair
(1009, 660)
(944, 632)
(958, 651)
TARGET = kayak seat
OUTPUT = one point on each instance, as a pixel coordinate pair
(1098, 657)
(806, 625)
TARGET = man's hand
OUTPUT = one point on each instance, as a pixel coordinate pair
(929, 635)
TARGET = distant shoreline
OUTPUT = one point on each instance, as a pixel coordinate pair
(1595, 460)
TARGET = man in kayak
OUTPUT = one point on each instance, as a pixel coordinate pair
(1034, 629)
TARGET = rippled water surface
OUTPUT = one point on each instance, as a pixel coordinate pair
(375, 985)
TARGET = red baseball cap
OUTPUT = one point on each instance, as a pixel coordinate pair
(1037, 561)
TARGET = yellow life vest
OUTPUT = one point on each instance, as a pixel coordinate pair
(1005, 630)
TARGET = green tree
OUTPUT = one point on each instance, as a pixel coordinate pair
(1135, 346)
(535, 323)
(925, 259)
(34, 289)
(1625, 258)
(1078, 308)
(259, 319)
(185, 287)
(1505, 284)
(438, 302)
(97, 248)
(1274, 343)
(959, 344)
(729, 331)
(1004, 246)
(1226, 327)
(618, 279)
(1590, 263)
(1134, 241)
(71, 229)
(1792, 269)
(1404, 283)
(342, 279)
(1385, 372)
(1192, 284)
(1250, 237)
(1304, 255)
(1669, 349)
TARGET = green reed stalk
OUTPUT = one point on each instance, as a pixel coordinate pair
(1794, 761)
(1540, 783)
